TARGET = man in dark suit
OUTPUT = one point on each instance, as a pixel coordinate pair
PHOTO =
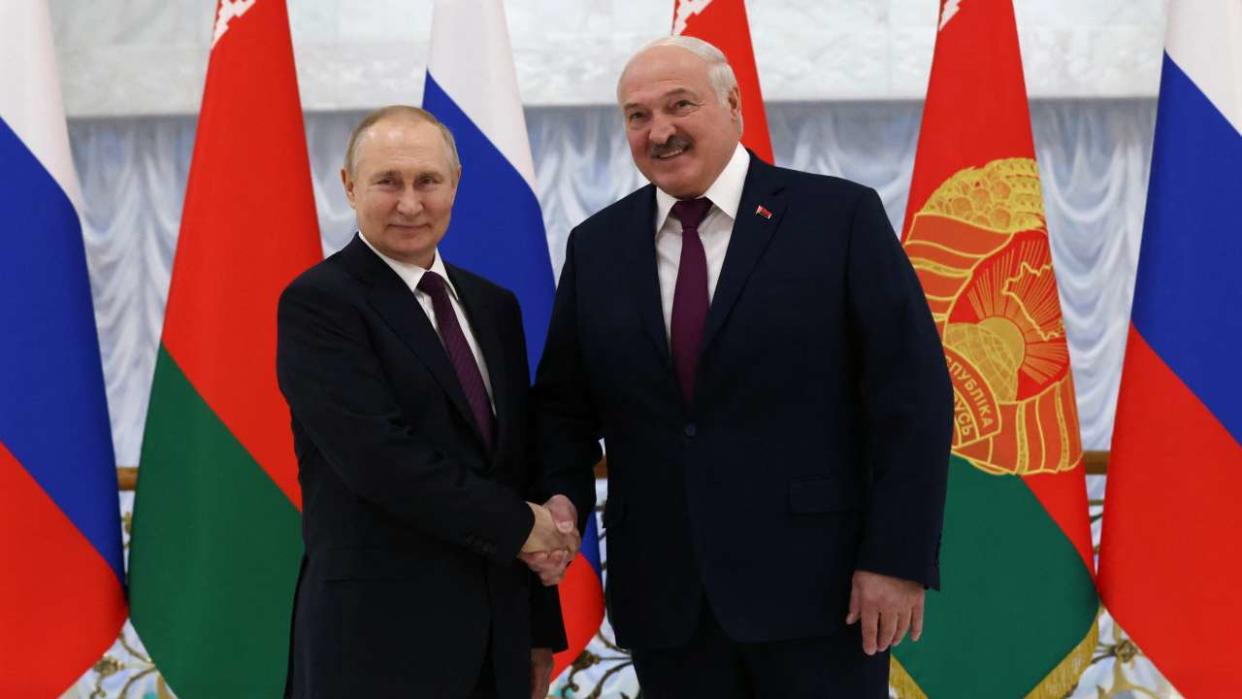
(753, 347)
(407, 382)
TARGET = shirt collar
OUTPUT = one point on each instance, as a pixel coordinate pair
(725, 193)
(411, 274)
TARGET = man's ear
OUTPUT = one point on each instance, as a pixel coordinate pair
(735, 106)
(348, 183)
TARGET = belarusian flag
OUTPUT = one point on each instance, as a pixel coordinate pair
(216, 545)
(1017, 613)
(723, 24)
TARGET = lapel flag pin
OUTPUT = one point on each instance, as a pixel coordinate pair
(763, 211)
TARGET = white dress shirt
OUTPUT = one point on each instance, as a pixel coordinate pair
(715, 230)
(411, 275)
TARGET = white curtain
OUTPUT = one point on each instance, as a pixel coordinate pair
(1093, 154)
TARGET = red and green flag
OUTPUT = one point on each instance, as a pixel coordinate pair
(1017, 614)
(216, 543)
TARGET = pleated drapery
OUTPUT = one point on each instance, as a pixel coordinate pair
(1094, 157)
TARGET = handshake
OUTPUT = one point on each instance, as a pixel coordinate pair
(553, 541)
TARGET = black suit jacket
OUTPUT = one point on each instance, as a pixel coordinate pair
(819, 435)
(411, 527)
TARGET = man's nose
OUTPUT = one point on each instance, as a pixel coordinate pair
(661, 130)
(409, 204)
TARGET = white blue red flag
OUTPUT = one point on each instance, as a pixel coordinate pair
(1168, 572)
(497, 228)
(62, 595)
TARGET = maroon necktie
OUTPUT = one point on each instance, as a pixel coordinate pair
(689, 295)
(459, 353)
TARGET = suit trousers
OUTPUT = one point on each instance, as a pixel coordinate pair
(713, 665)
(485, 686)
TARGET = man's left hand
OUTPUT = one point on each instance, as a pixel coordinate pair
(540, 672)
(888, 607)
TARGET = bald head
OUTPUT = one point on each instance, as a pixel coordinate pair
(398, 113)
(719, 72)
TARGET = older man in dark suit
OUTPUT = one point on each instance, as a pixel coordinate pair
(407, 382)
(753, 347)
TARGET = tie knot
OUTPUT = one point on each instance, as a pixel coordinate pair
(691, 212)
(431, 284)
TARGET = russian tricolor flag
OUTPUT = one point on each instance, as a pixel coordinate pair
(62, 598)
(497, 228)
(1169, 570)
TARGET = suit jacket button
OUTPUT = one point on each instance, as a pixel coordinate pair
(691, 430)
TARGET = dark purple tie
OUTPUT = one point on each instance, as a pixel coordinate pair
(689, 295)
(459, 353)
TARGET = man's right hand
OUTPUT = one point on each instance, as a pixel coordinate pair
(547, 535)
(553, 540)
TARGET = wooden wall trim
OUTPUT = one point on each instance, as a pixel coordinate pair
(126, 477)
(1096, 462)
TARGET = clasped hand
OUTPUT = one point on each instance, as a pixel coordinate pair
(553, 541)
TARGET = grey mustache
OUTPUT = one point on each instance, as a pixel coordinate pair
(674, 143)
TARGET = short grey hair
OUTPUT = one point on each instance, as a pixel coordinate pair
(719, 72)
(416, 114)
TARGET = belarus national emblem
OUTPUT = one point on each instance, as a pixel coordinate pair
(980, 248)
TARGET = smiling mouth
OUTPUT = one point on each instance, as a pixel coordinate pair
(671, 149)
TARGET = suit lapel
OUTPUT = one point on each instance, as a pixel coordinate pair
(396, 304)
(640, 241)
(484, 322)
(751, 233)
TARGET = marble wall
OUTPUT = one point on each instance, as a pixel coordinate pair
(150, 56)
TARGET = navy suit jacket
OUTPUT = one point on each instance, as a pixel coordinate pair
(818, 439)
(411, 526)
